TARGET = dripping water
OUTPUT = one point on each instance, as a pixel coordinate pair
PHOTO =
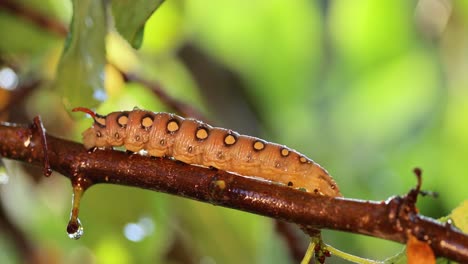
(3, 173)
(74, 228)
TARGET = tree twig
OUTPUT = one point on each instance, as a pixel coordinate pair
(384, 219)
(17, 236)
(37, 18)
(178, 106)
(296, 246)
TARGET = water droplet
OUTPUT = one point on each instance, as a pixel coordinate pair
(27, 141)
(100, 94)
(75, 229)
(8, 79)
(134, 232)
(3, 174)
(138, 231)
(89, 21)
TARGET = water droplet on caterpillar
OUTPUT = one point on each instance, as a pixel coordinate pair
(75, 229)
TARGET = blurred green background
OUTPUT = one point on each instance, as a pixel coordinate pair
(368, 89)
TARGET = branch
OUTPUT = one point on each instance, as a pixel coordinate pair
(41, 20)
(390, 220)
(17, 236)
(178, 106)
(20, 94)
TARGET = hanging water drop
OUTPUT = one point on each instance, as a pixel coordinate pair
(75, 229)
(3, 173)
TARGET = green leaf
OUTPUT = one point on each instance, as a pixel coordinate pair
(26, 39)
(130, 18)
(460, 216)
(80, 74)
(368, 32)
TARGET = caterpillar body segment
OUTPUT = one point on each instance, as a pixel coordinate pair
(195, 142)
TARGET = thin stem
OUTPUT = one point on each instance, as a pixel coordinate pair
(351, 257)
(310, 252)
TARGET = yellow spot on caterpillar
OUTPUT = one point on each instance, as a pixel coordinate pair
(122, 120)
(258, 145)
(303, 159)
(202, 133)
(229, 140)
(148, 122)
(137, 138)
(190, 149)
(100, 120)
(162, 142)
(172, 126)
(284, 152)
(116, 135)
(98, 134)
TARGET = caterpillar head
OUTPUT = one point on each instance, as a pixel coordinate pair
(95, 136)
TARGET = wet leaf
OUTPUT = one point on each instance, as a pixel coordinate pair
(130, 18)
(80, 75)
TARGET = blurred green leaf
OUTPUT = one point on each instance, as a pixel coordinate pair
(386, 102)
(460, 216)
(367, 32)
(110, 250)
(130, 18)
(164, 29)
(80, 75)
(20, 41)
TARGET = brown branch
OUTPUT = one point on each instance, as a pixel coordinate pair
(295, 245)
(214, 81)
(20, 94)
(389, 219)
(24, 247)
(35, 17)
(178, 106)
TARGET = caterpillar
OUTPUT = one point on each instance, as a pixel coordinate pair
(195, 142)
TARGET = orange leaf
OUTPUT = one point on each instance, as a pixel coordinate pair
(419, 252)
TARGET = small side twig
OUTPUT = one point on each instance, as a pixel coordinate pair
(20, 93)
(178, 106)
(295, 244)
(41, 20)
(16, 235)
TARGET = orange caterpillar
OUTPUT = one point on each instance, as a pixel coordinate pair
(194, 142)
